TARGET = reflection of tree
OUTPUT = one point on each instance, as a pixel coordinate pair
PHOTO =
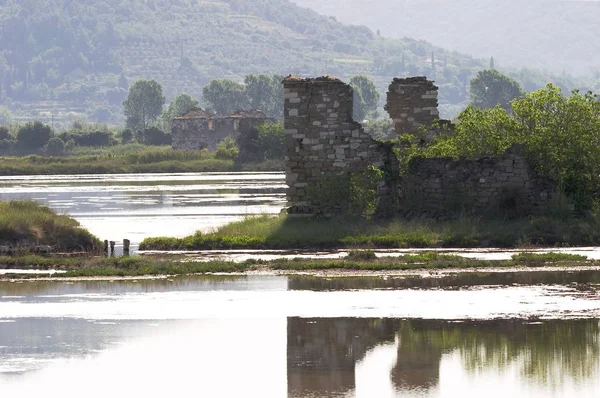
(322, 353)
(454, 280)
(548, 352)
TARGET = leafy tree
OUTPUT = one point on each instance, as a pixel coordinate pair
(126, 136)
(224, 97)
(479, 133)
(54, 147)
(490, 88)
(82, 137)
(366, 97)
(33, 136)
(155, 136)
(383, 129)
(180, 105)
(144, 103)
(560, 136)
(265, 93)
(269, 143)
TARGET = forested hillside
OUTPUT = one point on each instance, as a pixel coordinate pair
(546, 34)
(62, 60)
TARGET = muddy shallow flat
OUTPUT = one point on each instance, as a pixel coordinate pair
(488, 254)
(518, 272)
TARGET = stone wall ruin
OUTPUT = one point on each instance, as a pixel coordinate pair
(444, 187)
(323, 141)
(412, 103)
(198, 129)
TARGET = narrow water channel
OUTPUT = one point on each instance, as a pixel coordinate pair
(136, 206)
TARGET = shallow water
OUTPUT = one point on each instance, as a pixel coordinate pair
(136, 206)
(302, 337)
(492, 254)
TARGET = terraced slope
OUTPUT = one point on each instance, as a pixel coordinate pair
(62, 58)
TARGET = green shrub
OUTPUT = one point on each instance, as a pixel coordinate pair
(155, 137)
(54, 147)
(93, 138)
(33, 136)
(362, 255)
(227, 149)
(559, 134)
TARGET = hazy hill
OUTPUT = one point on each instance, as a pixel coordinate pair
(547, 34)
(63, 59)
(70, 57)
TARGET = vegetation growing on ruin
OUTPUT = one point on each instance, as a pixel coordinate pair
(28, 224)
(559, 135)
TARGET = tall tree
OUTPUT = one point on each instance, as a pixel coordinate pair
(491, 88)
(180, 105)
(33, 136)
(224, 97)
(366, 97)
(265, 93)
(143, 104)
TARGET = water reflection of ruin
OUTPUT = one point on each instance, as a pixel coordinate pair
(323, 353)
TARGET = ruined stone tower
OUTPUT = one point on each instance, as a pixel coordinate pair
(321, 138)
(412, 102)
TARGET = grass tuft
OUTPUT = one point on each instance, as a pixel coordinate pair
(281, 232)
(25, 221)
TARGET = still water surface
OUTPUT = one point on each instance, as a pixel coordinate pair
(302, 337)
(136, 206)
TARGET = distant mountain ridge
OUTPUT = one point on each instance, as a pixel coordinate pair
(545, 34)
(62, 60)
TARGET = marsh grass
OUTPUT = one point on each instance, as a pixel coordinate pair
(27, 221)
(361, 255)
(150, 266)
(542, 259)
(122, 159)
(282, 232)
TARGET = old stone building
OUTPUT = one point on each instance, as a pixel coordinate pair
(198, 129)
(323, 141)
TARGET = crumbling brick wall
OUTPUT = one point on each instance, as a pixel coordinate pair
(446, 187)
(322, 139)
(412, 102)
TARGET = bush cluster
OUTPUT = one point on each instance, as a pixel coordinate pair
(560, 136)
